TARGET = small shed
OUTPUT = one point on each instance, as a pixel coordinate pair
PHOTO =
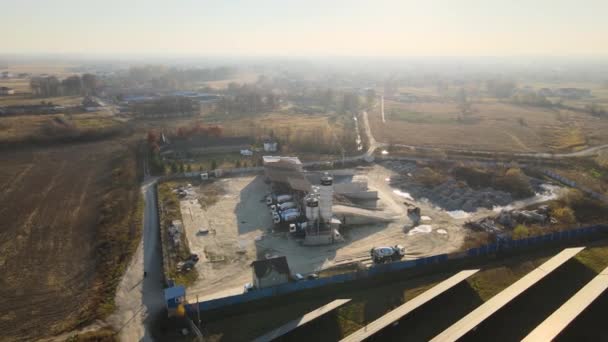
(174, 296)
(270, 272)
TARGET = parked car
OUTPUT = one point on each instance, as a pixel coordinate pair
(248, 287)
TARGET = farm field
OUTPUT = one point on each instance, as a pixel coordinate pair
(55, 207)
(28, 99)
(14, 129)
(493, 126)
(54, 68)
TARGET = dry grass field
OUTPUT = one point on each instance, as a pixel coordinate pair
(302, 133)
(15, 129)
(20, 85)
(28, 99)
(55, 68)
(493, 126)
(65, 214)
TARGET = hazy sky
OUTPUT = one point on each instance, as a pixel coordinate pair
(304, 28)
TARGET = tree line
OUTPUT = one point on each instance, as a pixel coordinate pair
(174, 78)
(167, 105)
(49, 86)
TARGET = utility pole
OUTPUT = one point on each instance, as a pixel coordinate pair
(198, 313)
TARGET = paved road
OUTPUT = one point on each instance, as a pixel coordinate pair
(139, 300)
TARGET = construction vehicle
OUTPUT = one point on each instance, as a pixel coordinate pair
(387, 254)
(286, 205)
(290, 215)
(278, 199)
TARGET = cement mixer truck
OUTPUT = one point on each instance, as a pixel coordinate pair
(382, 255)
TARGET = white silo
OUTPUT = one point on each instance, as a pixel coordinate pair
(326, 197)
(312, 208)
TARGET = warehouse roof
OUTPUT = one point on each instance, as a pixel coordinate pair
(408, 307)
(554, 324)
(477, 316)
(300, 321)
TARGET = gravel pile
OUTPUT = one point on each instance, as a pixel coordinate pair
(452, 195)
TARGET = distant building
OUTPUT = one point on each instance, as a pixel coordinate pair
(6, 91)
(270, 272)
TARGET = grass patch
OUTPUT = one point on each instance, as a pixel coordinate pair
(596, 257)
(169, 211)
(101, 335)
(121, 227)
(569, 139)
(491, 281)
(418, 117)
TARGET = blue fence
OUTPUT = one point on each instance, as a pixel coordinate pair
(501, 245)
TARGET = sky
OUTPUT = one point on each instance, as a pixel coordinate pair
(306, 28)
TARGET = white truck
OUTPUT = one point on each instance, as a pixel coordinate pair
(387, 254)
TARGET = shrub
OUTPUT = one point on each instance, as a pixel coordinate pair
(564, 215)
(520, 232)
(429, 177)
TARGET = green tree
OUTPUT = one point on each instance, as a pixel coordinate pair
(213, 164)
(173, 167)
(237, 164)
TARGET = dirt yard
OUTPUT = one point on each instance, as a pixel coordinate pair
(238, 216)
(493, 126)
(239, 230)
(50, 202)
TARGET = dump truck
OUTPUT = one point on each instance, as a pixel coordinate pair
(387, 254)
